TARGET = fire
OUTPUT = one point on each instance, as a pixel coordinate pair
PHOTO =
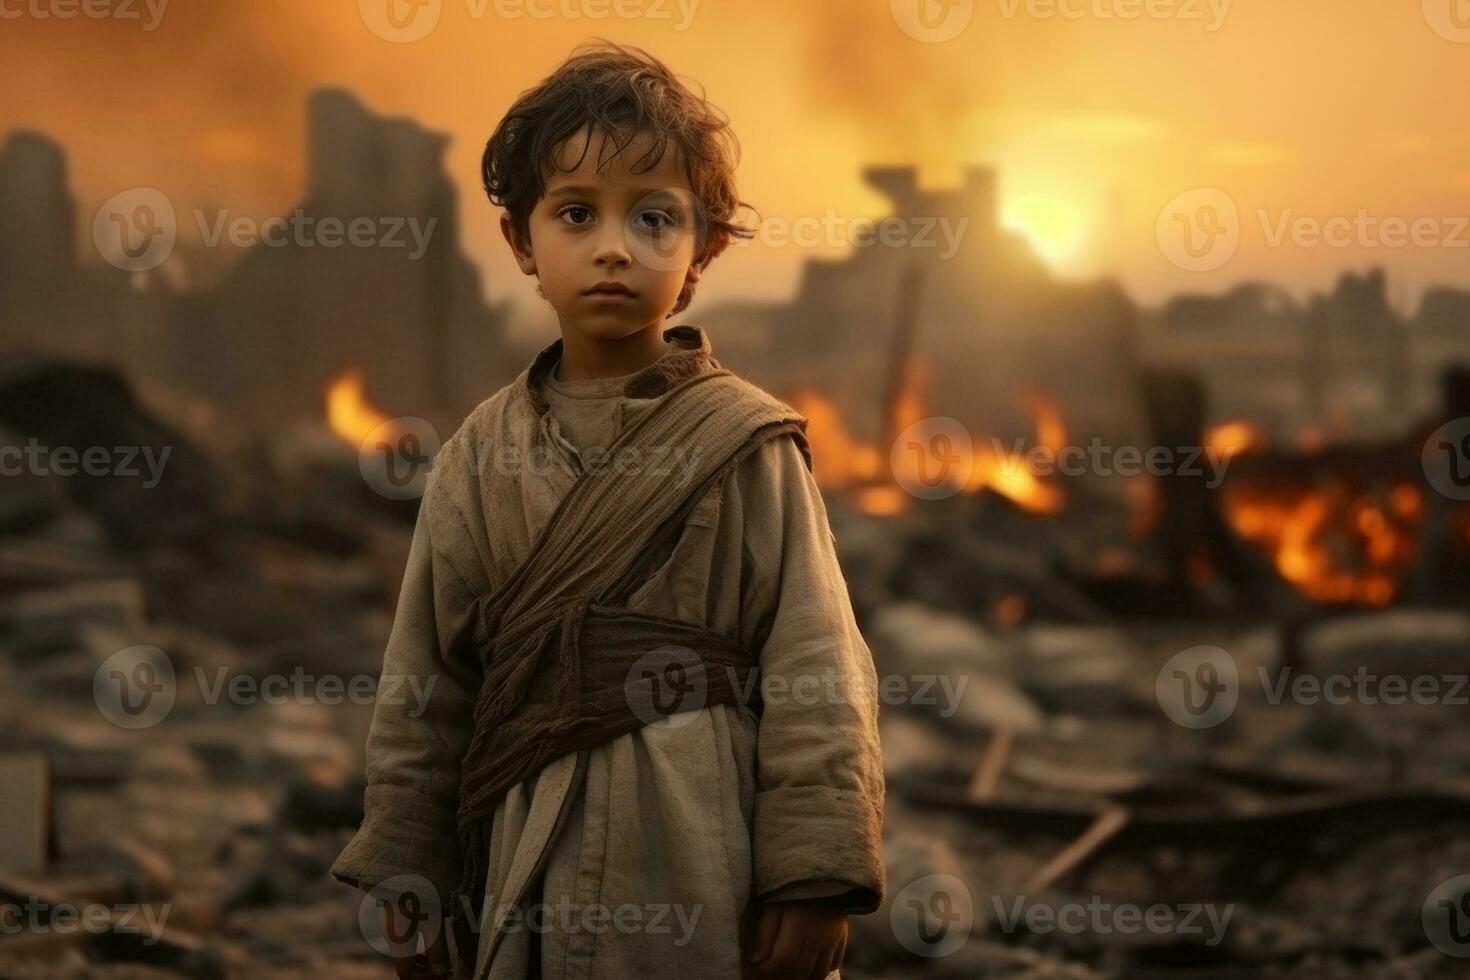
(349, 412)
(1050, 432)
(1332, 544)
(845, 463)
(1010, 478)
(1230, 438)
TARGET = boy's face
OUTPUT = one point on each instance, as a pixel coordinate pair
(635, 230)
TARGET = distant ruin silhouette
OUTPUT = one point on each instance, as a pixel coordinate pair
(262, 330)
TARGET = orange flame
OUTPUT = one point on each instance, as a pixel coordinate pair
(865, 471)
(1330, 544)
(349, 412)
(1230, 438)
(1050, 432)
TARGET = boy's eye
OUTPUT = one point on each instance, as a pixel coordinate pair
(575, 214)
(656, 221)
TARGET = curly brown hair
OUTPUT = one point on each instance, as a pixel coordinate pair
(624, 91)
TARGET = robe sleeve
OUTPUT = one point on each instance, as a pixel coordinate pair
(818, 812)
(420, 728)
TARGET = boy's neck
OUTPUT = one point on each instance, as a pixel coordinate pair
(585, 358)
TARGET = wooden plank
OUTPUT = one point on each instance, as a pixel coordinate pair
(1103, 829)
(997, 753)
(25, 812)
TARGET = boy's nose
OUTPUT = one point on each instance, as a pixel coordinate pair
(612, 246)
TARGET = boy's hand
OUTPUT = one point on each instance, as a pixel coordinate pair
(800, 940)
(432, 964)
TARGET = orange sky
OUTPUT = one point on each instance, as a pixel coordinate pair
(1323, 107)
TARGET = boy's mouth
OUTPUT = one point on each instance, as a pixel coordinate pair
(608, 288)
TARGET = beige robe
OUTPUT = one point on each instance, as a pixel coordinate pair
(683, 827)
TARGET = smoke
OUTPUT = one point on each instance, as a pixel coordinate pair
(207, 104)
(906, 96)
(915, 100)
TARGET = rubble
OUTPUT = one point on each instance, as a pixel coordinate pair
(1043, 772)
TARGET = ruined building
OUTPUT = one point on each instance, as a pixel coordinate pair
(275, 323)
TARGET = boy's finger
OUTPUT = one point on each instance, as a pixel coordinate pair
(837, 956)
(786, 955)
(812, 960)
(765, 939)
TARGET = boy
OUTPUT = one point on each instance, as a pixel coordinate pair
(651, 749)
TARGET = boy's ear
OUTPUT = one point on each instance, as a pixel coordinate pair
(696, 269)
(524, 258)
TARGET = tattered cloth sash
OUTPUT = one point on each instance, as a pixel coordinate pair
(556, 643)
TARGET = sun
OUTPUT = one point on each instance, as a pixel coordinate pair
(1052, 228)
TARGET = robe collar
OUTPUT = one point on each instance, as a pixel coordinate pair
(689, 354)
